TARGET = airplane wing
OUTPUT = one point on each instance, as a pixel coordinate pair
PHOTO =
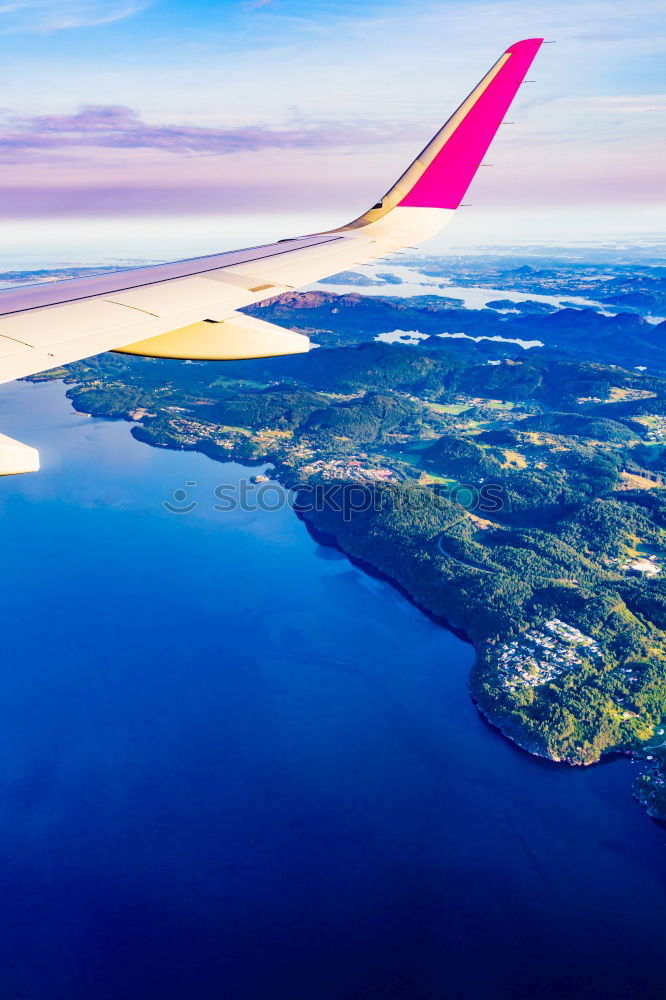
(189, 309)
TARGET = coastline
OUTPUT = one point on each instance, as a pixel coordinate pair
(493, 720)
(326, 538)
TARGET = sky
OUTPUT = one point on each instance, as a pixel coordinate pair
(140, 127)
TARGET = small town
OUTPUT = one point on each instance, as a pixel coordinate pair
(543, 654)
(350, 469)
(354, 468)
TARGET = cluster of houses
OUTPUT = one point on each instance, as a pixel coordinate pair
(190, 431)
(349, 468)
(543, 653)
(641, 566)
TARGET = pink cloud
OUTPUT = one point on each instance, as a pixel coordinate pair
(28, 138)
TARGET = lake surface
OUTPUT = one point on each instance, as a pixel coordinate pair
(234, 766)
(414, 282)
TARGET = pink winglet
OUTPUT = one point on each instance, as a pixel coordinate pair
(445, 181)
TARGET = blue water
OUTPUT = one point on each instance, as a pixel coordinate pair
(234, 766)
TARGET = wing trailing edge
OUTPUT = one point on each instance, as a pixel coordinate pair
(16, 457)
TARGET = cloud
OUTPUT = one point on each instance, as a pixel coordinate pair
(621, 104)
(19, 16)
(35, 137)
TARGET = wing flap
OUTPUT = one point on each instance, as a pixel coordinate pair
(9, 347)
(301, 267)
(44, 328)
(172, 297)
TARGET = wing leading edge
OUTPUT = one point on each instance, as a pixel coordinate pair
(189, 309)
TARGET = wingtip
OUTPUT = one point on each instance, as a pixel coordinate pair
(525, 44)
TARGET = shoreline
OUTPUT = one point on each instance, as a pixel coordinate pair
(331, 541)
(328, 539)
(321, 536)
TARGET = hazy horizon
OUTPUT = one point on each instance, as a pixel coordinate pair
(56, 242)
